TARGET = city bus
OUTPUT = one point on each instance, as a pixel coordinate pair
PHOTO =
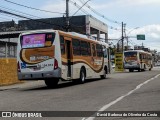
(53, 55)
(137, 60)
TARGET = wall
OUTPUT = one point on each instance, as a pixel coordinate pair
(8, 71)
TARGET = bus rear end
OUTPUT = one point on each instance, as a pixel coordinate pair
(36, 59)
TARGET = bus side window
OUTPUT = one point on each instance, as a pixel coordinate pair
(62, 45)
(99, 50)
(93, 50)
(89, 49)
(140, 56)
(76, 47)
(84, 48)
(105, 52)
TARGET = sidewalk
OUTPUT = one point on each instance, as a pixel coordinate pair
(24, 84)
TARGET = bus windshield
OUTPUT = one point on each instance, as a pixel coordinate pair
(37, 40)
(130, 54)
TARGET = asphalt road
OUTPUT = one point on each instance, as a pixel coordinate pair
(136, 91)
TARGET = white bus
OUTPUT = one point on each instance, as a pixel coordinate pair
(51, 55)
(137, 60)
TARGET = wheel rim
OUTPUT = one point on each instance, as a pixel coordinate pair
(83, 77)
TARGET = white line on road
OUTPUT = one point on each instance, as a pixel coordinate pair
(120, 98)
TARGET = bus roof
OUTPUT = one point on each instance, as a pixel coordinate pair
(85, 37)
(67, 33)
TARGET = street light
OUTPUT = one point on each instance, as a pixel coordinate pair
(133, 29)
(129, 33)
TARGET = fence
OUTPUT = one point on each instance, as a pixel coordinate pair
(8, 49)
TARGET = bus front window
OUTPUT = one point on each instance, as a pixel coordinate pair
(130, 56)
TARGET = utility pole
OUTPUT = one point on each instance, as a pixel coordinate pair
(142, 45)
(67, 15)
(122, 38)
(125, 34)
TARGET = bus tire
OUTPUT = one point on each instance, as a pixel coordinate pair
(52, 82)
(82, 76)
(104, 73)
(150, 68)
(144, 67)
(131, 70)
(103, 76)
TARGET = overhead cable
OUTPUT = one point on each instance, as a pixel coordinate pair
(17, 15)
(99, 14)
(31, 7)
(18, 11)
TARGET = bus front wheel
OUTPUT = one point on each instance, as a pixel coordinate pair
(51, 83)
(104, 73)
(82, 76)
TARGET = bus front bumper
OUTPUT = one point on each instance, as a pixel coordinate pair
(132, 67)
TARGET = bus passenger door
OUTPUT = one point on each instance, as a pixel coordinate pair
(109, 60)
(69, 57)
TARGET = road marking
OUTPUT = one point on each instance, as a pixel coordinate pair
(120, 98)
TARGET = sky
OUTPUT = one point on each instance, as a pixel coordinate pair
(140, 16)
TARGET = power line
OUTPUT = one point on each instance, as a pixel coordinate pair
(7, 13)
(19, 11)
(113, 28)
(78, 6)
(20, 16)
(31, 7)
(10, 16)
(99, 14)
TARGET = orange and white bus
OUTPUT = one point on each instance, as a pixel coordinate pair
(137, 60)
(53, 55)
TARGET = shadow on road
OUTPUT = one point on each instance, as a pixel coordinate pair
(64, 85)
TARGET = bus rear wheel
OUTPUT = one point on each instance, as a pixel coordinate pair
(52, 82)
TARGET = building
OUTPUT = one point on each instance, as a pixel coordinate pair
(84, 24)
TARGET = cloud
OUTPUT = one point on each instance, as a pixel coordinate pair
(60, 6)
(151, 31)
(126, 7)
(56, 6)
(124, 3)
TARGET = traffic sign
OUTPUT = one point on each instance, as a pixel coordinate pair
(140, 37)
